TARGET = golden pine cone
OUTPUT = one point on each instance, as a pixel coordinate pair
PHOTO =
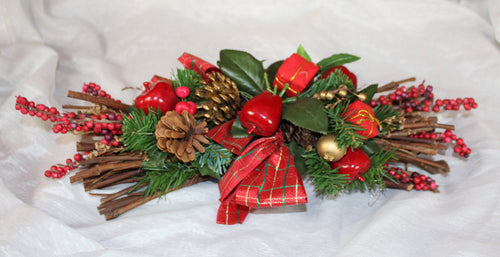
(180, 135)
(223, 99)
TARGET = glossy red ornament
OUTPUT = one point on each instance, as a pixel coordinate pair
(157, 95)
(345, 71)
(261, 115)
(362, 115)
(354, 163)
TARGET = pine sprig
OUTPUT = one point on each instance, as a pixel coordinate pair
(139, 130)
(345, 132)
(187, 78)
(386, 115)
(374, 177)
(332, 82)
(214, 161)
(325, 179)
(163, 173)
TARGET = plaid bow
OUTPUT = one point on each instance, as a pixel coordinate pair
(263, 175)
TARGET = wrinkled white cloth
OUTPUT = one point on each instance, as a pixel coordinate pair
(50, 47)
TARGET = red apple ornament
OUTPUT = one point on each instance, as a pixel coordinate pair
(261, 115)
(345, 71)
(160, 95)
(354, 163)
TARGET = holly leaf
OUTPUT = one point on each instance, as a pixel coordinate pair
(302, 52)
(307, 113)
(335, 60)
(297, 152)
(246, 71)
(369, 92)
(237, 130)
(272, 70)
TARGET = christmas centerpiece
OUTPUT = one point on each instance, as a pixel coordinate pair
(258, 132)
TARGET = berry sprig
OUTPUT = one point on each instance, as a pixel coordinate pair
(416, 180)
(96, 90)
(421, 98)
(460, 147)
(59, 170)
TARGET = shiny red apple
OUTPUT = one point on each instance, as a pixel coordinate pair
(354, 163)
(156, 95)
(261, 115)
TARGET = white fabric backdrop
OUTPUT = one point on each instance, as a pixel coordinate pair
(49, 47)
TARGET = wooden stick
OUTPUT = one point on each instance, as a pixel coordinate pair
(98, 100)
(78, 107)
(113, 179)
(100, 168)
(393, 85)
(111, 214)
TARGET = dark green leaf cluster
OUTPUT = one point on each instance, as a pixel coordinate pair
(336, 60)
(139, 130)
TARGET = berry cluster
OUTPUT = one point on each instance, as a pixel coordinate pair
(58, 171)
(468, 103)
(419, 181)
(425, 135)
(421, 99)
(460, 146)
(96, 90)
(189, 106)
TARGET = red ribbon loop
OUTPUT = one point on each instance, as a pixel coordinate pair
(200, 66)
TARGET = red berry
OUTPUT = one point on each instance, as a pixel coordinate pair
(182, 91)
(182, 106)
(77, 157)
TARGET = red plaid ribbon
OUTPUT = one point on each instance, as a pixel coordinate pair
(197, 64)
(264, 175)
(222, 135)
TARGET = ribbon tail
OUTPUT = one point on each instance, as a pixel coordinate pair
(230, 213)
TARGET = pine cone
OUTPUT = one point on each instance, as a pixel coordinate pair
(223, 99)
(304, 137)
(180, 135)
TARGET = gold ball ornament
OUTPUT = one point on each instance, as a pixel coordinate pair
(342, 93)
(328, 148)
(362, 97)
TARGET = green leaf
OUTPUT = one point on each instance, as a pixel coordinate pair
(237, 130)
(307, 113)
(335, 60)
(297, 152)
(369, 92)
(370, 147)
(246, 71)
(272, 70)
(302, 52)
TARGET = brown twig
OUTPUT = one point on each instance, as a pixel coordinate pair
(394, 84)
(101, 168)
(113, 104)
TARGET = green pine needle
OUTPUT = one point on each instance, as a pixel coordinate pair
(139, 130)
(325, 179)
(187, 78)
(345, 132)
(214, 161)
(332, 82)
(385, 113)
(163, 173)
